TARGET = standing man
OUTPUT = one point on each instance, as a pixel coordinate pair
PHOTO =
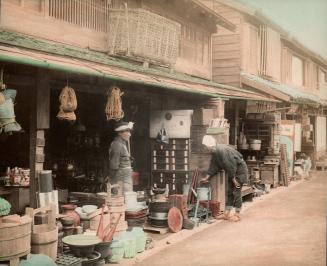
(120, 169)
(225, 157)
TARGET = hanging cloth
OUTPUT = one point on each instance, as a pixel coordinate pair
(8, 122)
(68, 104)
(114, 109)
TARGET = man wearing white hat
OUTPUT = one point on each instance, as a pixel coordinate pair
(120, 169)
(225, 157)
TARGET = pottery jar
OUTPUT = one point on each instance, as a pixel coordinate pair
(69, 210)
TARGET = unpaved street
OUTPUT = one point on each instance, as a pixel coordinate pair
(285, 230)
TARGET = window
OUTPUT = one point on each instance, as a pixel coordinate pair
(270, 53)
(322, 76)
(297, 71)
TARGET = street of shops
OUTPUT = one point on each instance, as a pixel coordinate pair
(286, 227)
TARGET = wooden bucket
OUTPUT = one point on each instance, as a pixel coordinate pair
(94, 222)
(15, 238)
(44, 237)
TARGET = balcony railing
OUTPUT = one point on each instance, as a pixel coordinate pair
(143, 35)
(92, 14)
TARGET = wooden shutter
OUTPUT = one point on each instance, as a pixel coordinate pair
(286, 66)
(250, 49)
(270, 53)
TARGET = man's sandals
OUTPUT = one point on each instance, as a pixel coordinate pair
(233, 218)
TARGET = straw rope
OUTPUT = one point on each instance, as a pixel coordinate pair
(114, 109)
(68, 104)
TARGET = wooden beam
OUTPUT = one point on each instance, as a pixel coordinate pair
(39, 120)
(43, 100)
(265, 88)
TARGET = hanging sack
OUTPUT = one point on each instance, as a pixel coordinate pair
(162, 137)
(114, 109)
(8, 122)
(68, 104)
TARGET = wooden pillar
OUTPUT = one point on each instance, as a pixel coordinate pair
(39, 121)
(236, 121)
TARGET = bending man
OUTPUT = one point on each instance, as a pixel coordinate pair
(226, 158)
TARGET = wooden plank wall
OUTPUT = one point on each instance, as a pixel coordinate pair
(32, 17)
(226, 49)
(195, 43)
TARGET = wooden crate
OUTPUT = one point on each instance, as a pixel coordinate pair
(269, 174)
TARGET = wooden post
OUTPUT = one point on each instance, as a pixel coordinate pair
(237, 119)
(39, 121)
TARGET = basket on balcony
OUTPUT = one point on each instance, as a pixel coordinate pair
(143, 35)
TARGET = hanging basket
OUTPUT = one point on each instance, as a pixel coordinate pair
(68, 104)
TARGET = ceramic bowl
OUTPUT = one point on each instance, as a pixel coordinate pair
(88, 209)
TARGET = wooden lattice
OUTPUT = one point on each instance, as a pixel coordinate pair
(143, 35)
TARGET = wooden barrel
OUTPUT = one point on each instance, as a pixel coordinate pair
(15, 238)
(45, 240)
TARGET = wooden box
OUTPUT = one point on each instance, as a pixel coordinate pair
(269, 174)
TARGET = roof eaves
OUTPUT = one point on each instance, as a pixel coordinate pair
(294, 93)
(260, 16)
(218, 18)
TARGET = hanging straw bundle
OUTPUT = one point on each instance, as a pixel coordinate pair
(114, 109)
(68, 104)
(2, 87)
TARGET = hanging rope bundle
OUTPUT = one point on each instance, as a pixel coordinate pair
(114, 109)
(2, 98)
(2, 88)
(68, 104)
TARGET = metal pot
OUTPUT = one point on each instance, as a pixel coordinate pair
(159, 207)
(158, 223)
(255, 144)
(159, 215)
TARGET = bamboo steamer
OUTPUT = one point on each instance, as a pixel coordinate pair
(115, 215)
(119, 209)
(116, 201)
(15, 238)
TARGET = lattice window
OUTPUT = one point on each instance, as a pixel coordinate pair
(92, 14)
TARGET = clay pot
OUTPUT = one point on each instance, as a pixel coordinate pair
(69, 211)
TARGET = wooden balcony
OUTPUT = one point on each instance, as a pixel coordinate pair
(142, 35)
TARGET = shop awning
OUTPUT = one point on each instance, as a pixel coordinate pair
(281, 91)
(23, 49)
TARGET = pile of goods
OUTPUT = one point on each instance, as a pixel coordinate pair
(17, 177)
(136, 210)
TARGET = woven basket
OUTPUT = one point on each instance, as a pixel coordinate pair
(143, 35)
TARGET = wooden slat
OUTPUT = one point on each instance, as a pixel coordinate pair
(226, 62)
(226, 39)
(226, 54)
(226, 47)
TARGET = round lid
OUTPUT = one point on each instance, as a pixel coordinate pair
(175, 219)
(81, 240)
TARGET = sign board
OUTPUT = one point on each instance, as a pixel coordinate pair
(321, 133)
(176, 122)
(297, 137)
(287, 134)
